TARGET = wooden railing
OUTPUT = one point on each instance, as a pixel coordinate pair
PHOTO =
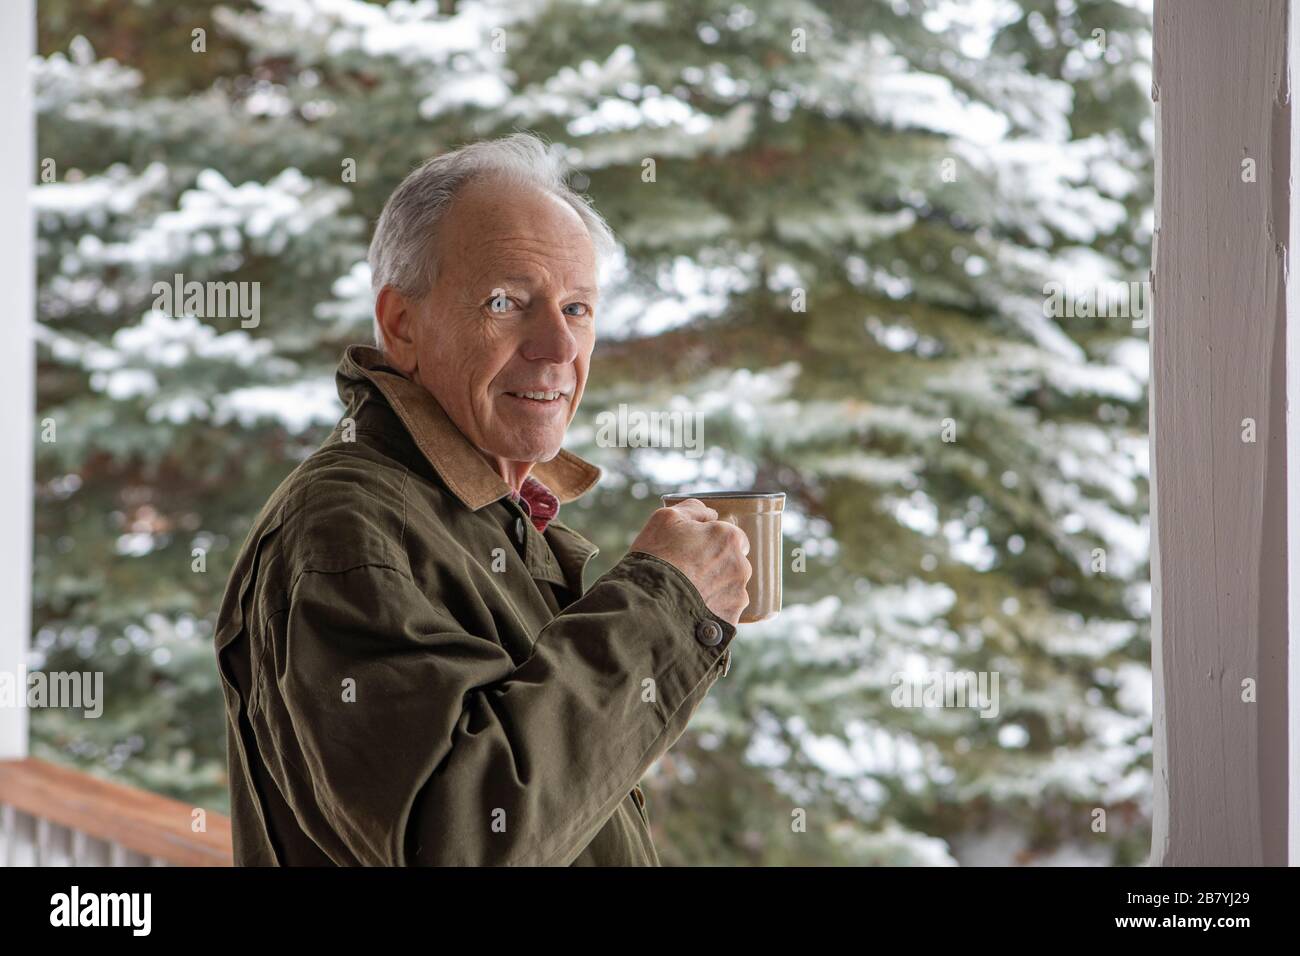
(55, 816)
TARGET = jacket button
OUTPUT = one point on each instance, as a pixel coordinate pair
(520, 531)
(708, 633)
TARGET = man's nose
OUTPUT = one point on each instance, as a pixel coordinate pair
(549, 336)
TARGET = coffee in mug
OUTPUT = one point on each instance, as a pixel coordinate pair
(758, 514)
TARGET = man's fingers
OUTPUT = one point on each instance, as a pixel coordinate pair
(695, 508)
(744, 540)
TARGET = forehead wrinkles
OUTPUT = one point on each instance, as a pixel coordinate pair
(541, 265)
(558, 248)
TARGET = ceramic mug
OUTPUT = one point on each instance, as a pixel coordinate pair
(758, 514)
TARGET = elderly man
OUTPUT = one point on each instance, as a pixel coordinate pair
(413, 669)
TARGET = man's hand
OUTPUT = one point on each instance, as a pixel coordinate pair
(710, 552)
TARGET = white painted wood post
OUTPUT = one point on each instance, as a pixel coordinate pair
(17, 385)
(1293, 454)
(1219, 522)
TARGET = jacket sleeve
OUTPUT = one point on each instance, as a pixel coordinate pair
(424, 744)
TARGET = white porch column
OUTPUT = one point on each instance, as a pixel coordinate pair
(1219, 432)
(17, 385)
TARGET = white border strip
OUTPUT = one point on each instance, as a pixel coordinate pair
(1293, 456)
(17, 385)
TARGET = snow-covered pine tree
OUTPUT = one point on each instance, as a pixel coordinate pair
(840, 224)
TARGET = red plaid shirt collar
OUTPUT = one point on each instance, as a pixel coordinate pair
(538, 501)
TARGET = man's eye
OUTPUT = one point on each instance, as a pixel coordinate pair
(586, 310)
(501, 303)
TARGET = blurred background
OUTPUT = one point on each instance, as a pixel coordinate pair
(841, 260)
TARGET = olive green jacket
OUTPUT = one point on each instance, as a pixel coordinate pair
(414, 675)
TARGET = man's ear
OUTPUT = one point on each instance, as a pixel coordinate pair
(396, 315)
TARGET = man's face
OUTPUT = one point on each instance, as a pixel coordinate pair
(511, 311)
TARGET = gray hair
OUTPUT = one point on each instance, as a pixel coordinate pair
(401, 250)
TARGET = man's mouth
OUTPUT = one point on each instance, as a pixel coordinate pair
(540, 398)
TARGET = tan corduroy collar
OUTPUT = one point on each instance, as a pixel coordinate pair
(458, 463)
